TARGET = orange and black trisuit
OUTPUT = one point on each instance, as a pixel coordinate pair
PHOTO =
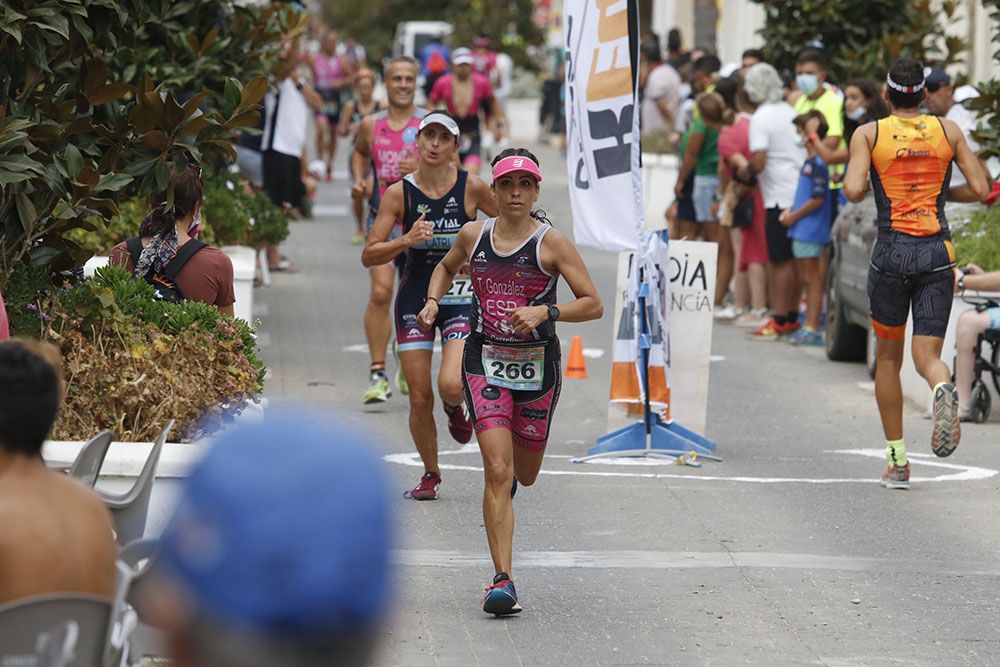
(913, 260)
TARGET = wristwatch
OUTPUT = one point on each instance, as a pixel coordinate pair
(961, 282)
(553, 313)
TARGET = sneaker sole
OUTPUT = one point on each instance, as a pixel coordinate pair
(946, 430)
(370, 400)
(902, 486)
(501, 604)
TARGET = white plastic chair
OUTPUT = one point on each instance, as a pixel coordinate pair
(55, 630)
(129, 510)
(88, 462)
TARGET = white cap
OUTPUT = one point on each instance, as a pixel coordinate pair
(461, 56)
(441, 118)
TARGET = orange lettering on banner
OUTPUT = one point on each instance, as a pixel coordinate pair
(611, 27)
(615, 81)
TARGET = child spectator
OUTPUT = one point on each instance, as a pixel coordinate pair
(809, 224)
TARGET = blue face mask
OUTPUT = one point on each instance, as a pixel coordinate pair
(858, 113)
(807, 83)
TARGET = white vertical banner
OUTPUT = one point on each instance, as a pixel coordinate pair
(602, 124)
(692, 292)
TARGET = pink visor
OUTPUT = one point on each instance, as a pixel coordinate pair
(516, 163)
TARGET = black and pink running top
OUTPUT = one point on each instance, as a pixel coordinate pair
(511, 280)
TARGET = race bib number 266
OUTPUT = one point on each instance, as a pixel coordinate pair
(516, 368)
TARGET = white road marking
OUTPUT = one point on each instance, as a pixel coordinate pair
(964, 473)
(685, 560)
(716, 357)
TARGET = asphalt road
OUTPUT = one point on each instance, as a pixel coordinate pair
(787, 552)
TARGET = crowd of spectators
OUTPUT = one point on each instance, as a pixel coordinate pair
(761, 164)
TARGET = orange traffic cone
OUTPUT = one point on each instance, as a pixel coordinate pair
(576, 367)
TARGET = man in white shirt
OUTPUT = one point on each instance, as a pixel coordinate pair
(661, 99)
(286, 121)
(776, 160)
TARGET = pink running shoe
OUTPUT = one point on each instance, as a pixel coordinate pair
(459, 424)
(427, 488)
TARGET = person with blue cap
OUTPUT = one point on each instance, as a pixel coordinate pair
(268, 563)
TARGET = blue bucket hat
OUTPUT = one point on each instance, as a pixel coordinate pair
(284, 528)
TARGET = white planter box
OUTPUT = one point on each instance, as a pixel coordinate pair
(125, 459)
(244, 267)
(915, 388)
(659, 175)
(94, 263)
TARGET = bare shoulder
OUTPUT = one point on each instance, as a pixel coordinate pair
(556, 240)
(86, 500)
(470, 231)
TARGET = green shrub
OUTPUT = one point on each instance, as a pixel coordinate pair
(269, 224)
(978, 240)
(223, 210)
(132, 361)
(122, 225)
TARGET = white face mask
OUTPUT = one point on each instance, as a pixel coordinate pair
(858, 113)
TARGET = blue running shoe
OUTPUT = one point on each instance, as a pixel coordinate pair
(501, 598)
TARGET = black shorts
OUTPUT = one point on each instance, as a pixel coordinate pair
(779, 246)
(685, 203)
(331, 104)
(452, 319)
(911, 272)
(471, 148)
(283, 178)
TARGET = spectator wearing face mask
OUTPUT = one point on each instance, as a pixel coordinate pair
(207, 275)
(811, 79)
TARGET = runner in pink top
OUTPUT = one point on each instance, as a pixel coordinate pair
(329, 77)
(511, 362)
(465, 93)
(385, 145)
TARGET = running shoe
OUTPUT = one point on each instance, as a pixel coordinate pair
(771, 331)
(501, 598)
(427, 489)
(459, 424)
(357, 239)
(378, 389)
(946, 431)
(751, 319)
(726, 313)
(401, 383)
(896, 477)
(806, 338)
